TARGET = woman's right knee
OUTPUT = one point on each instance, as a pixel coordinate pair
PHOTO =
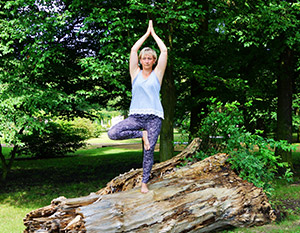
(112, 134)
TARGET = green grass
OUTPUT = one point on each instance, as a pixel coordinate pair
(290, 224)
(33, 183)
(11, 218)
(103, 139)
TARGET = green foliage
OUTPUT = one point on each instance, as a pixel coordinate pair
(296, 114)
(251, 155)
(58, 138)
(90, 129)
(64, 58)
(40, 76)
(262, 22)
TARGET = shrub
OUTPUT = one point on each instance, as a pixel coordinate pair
(91, 129)
(251, 155)
(58, 138)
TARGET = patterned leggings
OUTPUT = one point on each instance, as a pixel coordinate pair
(131, 128)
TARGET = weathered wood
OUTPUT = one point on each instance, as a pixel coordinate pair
(201, 197)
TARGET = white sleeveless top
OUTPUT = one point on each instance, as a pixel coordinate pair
(145, 96)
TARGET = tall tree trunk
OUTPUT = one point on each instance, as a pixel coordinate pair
(7, 166)
(4, 165)
(198, 106)
(284, 109)
(168, 101)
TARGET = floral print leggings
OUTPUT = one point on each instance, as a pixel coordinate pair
(131, 128)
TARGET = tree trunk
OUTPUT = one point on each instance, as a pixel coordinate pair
(284, 109)
(197, 104)
(166, 146)
(201, 197)
(4, 165)
(7, 165)
(197, 107)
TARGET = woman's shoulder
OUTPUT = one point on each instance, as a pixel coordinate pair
(156, 77)
(135, 74)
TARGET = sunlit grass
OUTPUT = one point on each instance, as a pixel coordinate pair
(11, 218)
(103, 139)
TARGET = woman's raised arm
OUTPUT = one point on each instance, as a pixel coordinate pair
(163, 57)
(134, 59)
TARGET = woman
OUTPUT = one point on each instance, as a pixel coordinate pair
(146, 112)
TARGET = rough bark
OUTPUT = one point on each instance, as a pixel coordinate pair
(285, 98)
(200, 197)
(168, 101)
(197, 103)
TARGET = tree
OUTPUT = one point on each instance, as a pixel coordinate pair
(242, 53)
(181, 29)
(125, 22)
(272, 26)
(40, 77)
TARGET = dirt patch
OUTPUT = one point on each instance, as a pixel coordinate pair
(291, 204)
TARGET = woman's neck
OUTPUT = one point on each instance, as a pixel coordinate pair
(146, 72)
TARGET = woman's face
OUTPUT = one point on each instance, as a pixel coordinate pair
(147, 61)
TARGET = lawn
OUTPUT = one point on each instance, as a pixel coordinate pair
(33, 183)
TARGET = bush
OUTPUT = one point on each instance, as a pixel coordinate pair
(251, 155)
(58, 138)
(91, 130)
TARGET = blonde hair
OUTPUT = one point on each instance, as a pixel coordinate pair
(148, 50)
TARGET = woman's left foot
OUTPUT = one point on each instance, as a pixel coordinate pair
(144, 188)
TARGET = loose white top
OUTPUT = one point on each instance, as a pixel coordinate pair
(145, 96)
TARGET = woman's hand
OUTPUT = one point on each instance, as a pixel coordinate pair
(163, 57)
(151, 27)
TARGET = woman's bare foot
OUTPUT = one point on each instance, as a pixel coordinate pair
(146, 140)
(144, 188)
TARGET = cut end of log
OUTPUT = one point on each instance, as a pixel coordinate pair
(202, 197)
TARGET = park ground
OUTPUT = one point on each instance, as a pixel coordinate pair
(33, 183)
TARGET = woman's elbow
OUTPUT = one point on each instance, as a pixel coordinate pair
(134, 50)
(164, 50)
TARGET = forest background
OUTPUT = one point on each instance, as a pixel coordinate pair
(233, 64)
(67, 59)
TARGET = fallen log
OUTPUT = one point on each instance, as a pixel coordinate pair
(202, 197)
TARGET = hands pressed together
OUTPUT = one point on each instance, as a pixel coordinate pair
(150, 30)
(162, 60)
